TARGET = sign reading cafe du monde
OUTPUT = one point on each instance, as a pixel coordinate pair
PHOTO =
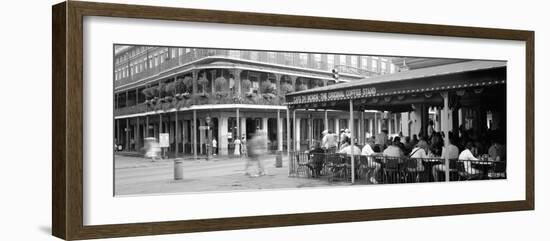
(364, 92)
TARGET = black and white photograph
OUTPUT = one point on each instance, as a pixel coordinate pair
(193, 120)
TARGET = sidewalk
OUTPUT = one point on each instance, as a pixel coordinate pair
(135, 176)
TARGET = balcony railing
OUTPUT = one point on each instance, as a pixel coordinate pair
(188, 100)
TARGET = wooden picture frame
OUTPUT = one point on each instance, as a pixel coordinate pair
(67, 123)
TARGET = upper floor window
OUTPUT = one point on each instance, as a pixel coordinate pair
(343, 60)
(234, 53)
(303, 59)
(330, 61)
(271, 57)
(364, 62)
(374, 64)
(383, 66)
(354, 61)
(288, 58)
(317, 60)
(254, 55)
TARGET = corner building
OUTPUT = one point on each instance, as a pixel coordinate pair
(177, 90)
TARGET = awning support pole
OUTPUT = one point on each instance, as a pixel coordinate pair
(445, 129)
(352, 142)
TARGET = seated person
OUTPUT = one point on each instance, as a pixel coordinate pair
(497, 151)
(394, 150)
(420, 151)
(347, 148)
(372, 165)
(317, 158)
(467, 156)
(452, 151)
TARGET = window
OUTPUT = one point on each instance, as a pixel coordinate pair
(234, 53)
(392, 68)
(303, 59)
(180, 51)
(187, 50)
(343, 60)
(288, 58)
(354, 61)
(364, 62)
(374, 64)
(383, 67)
(156, 60)
(317, 60)
(330, 61)
(254, 55)
(271, 57)
(174, 52)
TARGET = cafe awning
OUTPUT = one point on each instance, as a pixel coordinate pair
(396, 92)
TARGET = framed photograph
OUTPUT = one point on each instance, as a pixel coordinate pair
(172, 120)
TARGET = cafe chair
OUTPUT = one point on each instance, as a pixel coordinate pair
(302, 169)
(498, 171)
(392, 173)
(412, 173)
(335, 165)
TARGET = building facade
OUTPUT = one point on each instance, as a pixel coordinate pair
(197, 95)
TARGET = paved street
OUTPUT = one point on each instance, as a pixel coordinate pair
(136, 175)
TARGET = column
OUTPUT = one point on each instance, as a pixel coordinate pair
(177, 134)
(326, 120)
(352, 130)
(127, 135)
(297, 131)
(337, 126)
(237, 78)
(278, 84)
(362, 129)
(279, 131)
(184, 126)
(213, 74)
(375, 124)
(194, 132)
(265, 129)
(195, 74)
(136, 135)
(288, 142)
(202, 136)
(222, 135)
(445, 128)
(310, 130)
(238, 122)
(146, 126)
(117, 132)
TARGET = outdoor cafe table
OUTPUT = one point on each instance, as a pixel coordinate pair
(484, 166)
(428, 164)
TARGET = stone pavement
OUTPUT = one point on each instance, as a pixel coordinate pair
(137, 176)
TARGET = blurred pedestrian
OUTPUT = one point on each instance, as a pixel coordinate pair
(257, 147)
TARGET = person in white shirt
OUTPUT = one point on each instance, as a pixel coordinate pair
(347, 149)
(420, 152)
(452, 154)
(466, 156)
(214, 147)
(374, 167)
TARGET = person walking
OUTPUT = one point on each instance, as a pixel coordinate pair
(256, 149)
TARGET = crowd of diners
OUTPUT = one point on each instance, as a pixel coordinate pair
(464, 145)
